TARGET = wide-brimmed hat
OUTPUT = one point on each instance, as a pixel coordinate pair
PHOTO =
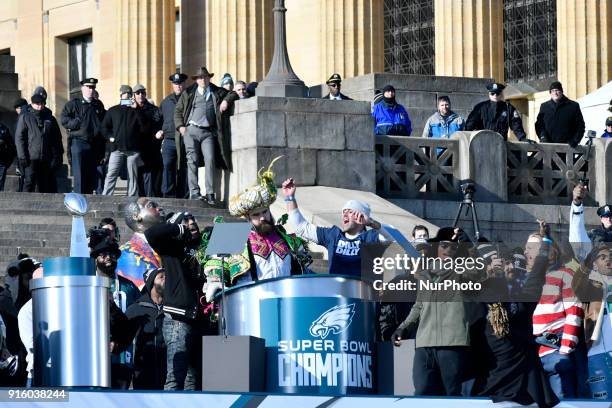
(203, 72)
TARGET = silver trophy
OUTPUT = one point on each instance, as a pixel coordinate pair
(77, 207)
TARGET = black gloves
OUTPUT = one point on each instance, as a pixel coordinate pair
(462, 236)
(531, 142)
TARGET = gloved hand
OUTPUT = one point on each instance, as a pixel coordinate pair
(24, 163)
(573, 144)
(210, 289)
(531, 142)
(176, 218)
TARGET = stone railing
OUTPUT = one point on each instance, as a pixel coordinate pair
(414, 167)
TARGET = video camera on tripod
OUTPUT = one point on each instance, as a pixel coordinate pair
(468, 189)
(591, 134)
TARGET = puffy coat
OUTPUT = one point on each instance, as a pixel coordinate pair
(560, 122)
(391, 120)
(38, 136)
(439, 126)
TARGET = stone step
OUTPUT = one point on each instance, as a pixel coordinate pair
(7, 63)
(9, 253)
(8, 98)
(8, 81)
(19, 235)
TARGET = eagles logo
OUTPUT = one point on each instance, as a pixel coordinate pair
(335, 321)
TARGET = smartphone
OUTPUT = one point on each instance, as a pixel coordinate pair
(125, 102)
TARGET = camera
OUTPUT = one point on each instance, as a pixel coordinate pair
(468, 189)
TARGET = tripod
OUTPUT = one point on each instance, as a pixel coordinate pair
(469, 204)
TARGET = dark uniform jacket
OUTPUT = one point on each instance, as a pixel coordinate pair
(166, 108)
(146, 320)
(83, 121)
(183, 110)
(123, 123)
(600, 234)
(342, 97)
(560, 122)
(496, 116)
(38, 137)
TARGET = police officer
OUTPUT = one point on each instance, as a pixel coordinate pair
(82, 118)
(173, 147)
(603, 233)
(496, 115)
(334, 83)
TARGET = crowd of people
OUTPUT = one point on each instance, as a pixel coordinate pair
(159, 149)
(548, 334)
(544, 334)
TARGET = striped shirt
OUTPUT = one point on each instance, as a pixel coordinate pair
(558, 311)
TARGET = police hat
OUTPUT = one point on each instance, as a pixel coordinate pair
(496, 87)
(89, 82)
(605, 211)
(177, 78)
(335, 78)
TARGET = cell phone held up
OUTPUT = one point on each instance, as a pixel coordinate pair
(125, 102)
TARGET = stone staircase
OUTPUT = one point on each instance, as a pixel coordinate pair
(39, 225)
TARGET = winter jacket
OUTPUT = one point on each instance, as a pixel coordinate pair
(442, 318)
(181, 287)
(146, 321)
(151, 146)
(391, 120)
(560, 122)
(124, 124)
(496, 116)
(439, 126)
(600, 234)
(166, 108)
(38, 137)
(83, 119)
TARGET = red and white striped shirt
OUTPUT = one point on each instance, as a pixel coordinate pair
(558, 311)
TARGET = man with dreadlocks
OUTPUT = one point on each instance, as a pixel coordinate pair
(270, 252)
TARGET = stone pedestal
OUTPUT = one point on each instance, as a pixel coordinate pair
(324, 143)
(394, 371)
(485, 150)
(233, 364)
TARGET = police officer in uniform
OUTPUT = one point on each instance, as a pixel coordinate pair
(334, 83)
(82, 118)
(174, 159)
(496, 115)
(603, 233)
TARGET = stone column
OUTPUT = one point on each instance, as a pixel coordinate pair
(470, 38)
(584, 41)
(145, 45)
(239, 38)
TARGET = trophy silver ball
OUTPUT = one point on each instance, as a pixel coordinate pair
(75, 204)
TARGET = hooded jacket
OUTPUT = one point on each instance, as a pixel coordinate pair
(38, 136)
(146, 320)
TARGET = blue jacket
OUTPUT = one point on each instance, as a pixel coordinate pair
(391, 120)
(605, 134)
(439, 126)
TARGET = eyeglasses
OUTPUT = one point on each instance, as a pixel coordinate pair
(140, 92)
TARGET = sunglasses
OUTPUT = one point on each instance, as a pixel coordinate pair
(494, 93)
(333, 85)
(91, 86)
(140, 92)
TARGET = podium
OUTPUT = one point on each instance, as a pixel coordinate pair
(319, 332)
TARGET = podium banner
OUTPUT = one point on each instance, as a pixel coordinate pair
(319, 345)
